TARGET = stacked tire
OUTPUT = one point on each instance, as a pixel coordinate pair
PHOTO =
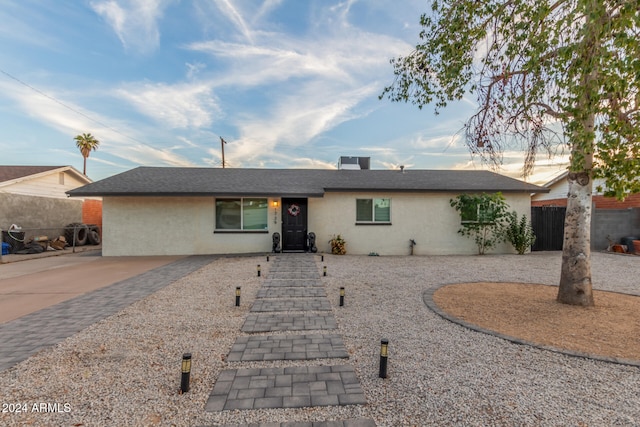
(82, 234)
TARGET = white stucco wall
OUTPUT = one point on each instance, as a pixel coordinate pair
(429, 219)
(173, 226)
(185, 225)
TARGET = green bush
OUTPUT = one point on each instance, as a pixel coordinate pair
(519, 232)
(481, 218)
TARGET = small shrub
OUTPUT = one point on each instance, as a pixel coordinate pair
(519, 232)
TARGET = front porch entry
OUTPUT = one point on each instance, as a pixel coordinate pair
(294, 225)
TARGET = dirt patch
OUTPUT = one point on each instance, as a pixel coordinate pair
(530, 312)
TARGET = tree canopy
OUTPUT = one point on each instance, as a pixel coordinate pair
(86, 143)
(551, 75)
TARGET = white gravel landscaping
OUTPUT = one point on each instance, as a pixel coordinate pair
(125, 370)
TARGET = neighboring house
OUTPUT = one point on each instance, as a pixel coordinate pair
(35, 196)
(558, 189)
(163, 211)
(611, 220)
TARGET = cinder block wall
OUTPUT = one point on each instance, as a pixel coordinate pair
(616, 223)
(38, 215)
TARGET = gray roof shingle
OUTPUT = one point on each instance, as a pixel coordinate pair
(9, 173)
(160, 181)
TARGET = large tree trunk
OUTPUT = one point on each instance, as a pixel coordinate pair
(575, 277)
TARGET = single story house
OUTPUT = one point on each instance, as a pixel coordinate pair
(185, 211)
(559, 188)
(612, 220)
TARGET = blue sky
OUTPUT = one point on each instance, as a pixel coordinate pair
(287, 83)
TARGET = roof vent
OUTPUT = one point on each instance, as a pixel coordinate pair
(402, 168)
(354, 163)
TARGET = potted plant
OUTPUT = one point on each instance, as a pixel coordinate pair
(338, 245)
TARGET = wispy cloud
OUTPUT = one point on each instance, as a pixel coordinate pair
(135, 22)
(174, 106)
(266, 7)
(512, 165)
(295, 120)
(315, 81)
(119, 140)
(31, 32)
(253, 65)
(235, 17)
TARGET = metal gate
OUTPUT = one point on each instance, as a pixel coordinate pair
(548, 226)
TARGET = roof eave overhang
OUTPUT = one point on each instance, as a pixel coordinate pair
(195, 194)
(442, 190)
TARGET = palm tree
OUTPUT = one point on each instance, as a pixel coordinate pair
(86, 142)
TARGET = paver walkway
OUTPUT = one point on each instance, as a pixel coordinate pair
(291, 299)
(290, 292)
(23, 337)
(288, 322)
(287, 347)
(291, 304)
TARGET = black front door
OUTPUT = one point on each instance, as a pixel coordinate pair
(294, 224)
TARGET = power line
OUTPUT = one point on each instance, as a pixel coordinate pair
(69, 108)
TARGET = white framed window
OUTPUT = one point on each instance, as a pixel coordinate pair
(242, 214)
(373, 211)
(478, 213)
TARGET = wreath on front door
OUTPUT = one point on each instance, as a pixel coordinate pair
(294, 210)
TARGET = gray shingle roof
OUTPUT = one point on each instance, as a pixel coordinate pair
(157, 181)
(9, 173)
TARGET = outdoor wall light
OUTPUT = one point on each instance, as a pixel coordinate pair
(186, 372)
(275, 211)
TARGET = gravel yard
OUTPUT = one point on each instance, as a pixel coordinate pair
(125, 370)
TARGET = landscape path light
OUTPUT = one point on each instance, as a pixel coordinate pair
(384, 353)
(186, 372)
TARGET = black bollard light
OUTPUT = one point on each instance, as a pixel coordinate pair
(258, 270)
(324, 270)
(186, 372)
(384, 353)
(267, 258)
(322, 258)
(341, 296)
(237, 296)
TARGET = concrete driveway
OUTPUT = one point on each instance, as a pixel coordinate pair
(31, 285)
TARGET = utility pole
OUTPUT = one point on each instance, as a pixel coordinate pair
(222, 142)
